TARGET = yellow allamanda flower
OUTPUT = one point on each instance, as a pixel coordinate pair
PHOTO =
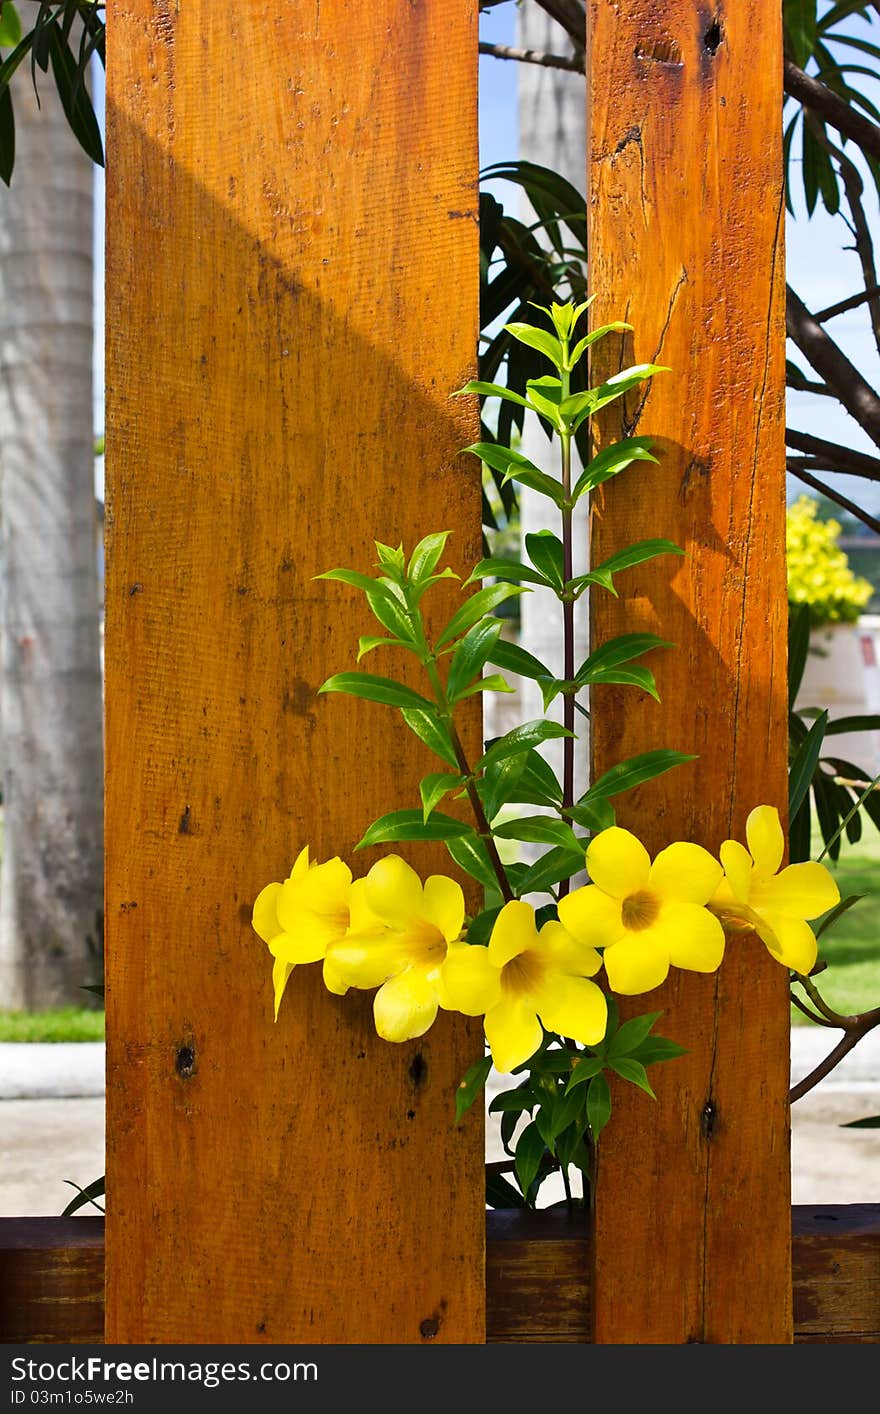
(403, 956)
(524, 979)
(776, 904)
(302, 916)
(647, 917)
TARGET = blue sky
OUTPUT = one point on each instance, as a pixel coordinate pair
(818, 266)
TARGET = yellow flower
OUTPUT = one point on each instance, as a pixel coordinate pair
(400, 945)
(777, 905)
(301, 917)
(646, 916)
(524, 979)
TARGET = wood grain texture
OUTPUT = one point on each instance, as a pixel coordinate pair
(537, 1277)
(685, 237)
(292, 296)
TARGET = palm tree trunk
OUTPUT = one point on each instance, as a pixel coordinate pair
(50, 674)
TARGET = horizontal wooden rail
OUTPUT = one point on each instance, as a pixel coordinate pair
(537, 1287)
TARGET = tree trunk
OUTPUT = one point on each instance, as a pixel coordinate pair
(51, 920)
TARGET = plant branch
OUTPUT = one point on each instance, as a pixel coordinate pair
(845, 305)
(532, 56)
(832, 365)
(571, 15)
(796, 466)
(831, 108)
(854, 188)
(859, 1026)
(831, 456)
(803, 385)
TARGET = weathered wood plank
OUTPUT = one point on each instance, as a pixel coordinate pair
(537, 1277)
(292, 295)
(685, 238)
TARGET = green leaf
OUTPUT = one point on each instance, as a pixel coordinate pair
(384, 603)
(471, 654)
(92, 1190)
(569, 1109)
(870, 1122)
(626, 559)
(655, 1049)
(429, 729)
(799, 18)
(513, 1102)
(584, 1070)
(598, 1105)
(501, 1194)
(10, 26)
(511, 658)
(7, 136)
(527, 1158)
(474, 608)
(798, 647)
(521, 738)
(12, 61)
(403, 825)
(433, 788)
(391, 561)
(804, 764)
(374, 689)
(366, 645)
(869, 723)
(632, 1033)
(610, 461)
(540, 339)
(539, 829)
(494, 682)
(499, 457)
(539, 782)
(470, 1085)
(555, 865)
(545, 396)
(471, 855)
(629, 677)
(596, 815)
(544, 549)
(634, 772)
(622, 382)
(505, 569)
(619, 650)
(424, 558)
(633, 1071)
(538, 481)
(491, 390)
(479, 930)
(74, 96)
(498, 786)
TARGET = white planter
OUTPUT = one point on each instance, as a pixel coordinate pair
(842, 673)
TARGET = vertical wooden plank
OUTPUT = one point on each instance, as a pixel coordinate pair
(292, 297)
(692, 1239)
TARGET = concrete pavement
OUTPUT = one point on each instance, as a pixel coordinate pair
(52, 1124)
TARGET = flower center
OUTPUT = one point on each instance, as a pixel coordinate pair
(522, 974)
(425, 944)
(638, 911)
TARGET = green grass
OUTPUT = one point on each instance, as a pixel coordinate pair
(851, 947)
(67, 1024)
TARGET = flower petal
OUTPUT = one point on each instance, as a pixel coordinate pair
(765, 838)
(444, 905)
(618, 862)
(281, 971)
(573, 1006)
(265, 916)
(405, 1006)
(800, 891)
(567, 953)
(591, 916)
(333, 979)
(686, 872)
(737, 864)
(300, 864)
(636, 964)
(514, 1033)
(308, 943)
(361, 917)
(692, 936)
(394, 891)
(790, 941)
(469, 981)
(322, 891)
(514, 931)
(366, 961)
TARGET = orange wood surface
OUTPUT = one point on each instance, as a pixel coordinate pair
(292, 290)
(692, 1226)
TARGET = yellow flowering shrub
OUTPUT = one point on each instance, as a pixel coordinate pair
(819, 573)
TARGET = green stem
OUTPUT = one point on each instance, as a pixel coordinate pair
(568, 695)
